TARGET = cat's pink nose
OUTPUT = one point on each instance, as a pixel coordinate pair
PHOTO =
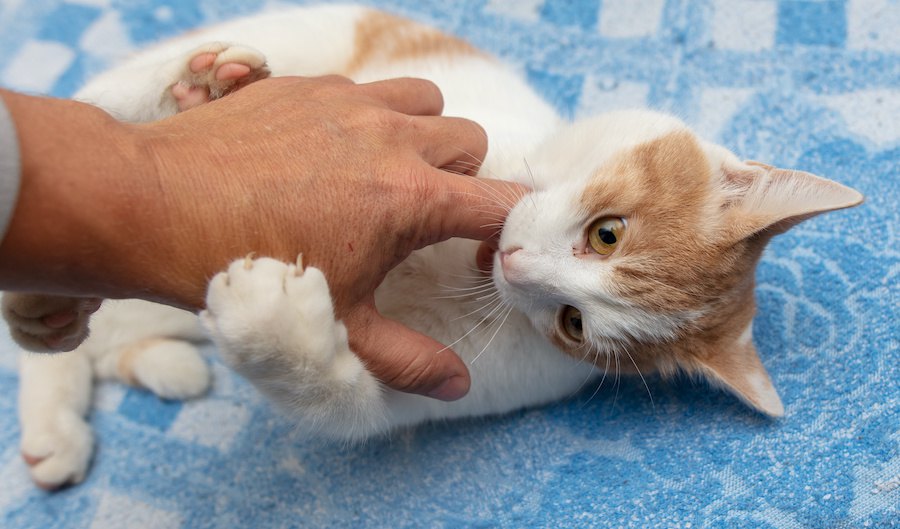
(505, 254)
(506, 262)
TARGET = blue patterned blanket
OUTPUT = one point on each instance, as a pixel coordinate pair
(807, 84)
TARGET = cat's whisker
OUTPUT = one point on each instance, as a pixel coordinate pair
(499, 304)
(478, 278)
(514, 196)
(586, 346)
(491, 215)
(618, 378)
(474, 286)
(465, 163)
(476, 159)
(507, 200)
(464, 295)
(488, 344)
(602, 379)
(533, 183)
(489, 303)
(630, 357)
(499, 202)
(478, 286)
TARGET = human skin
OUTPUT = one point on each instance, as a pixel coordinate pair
(348, 175)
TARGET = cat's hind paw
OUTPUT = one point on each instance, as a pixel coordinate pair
(45, 324)
(171, 369)
(216, 69)
(58, 453)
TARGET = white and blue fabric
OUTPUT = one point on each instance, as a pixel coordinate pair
(807, 84)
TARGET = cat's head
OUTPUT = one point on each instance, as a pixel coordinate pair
(638, 247)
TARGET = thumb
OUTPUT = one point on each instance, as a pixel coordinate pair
(404, 359)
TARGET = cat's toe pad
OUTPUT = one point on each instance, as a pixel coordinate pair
(48, 323)
(216, 69)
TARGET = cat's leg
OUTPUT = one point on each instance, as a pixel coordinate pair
(44, 323)
(274, 324)
(54, 395)
(170, 368)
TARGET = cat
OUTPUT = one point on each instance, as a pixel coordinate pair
(634, 253)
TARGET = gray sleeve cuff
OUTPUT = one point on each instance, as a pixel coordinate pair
(9, 169)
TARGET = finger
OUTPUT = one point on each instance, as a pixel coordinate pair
(458, 145)
(407, 95)
(404, 359)
(473, 208)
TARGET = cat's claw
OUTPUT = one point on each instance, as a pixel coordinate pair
(45, 324)
(216, 69)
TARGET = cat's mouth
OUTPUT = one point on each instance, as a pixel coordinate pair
(484, 256)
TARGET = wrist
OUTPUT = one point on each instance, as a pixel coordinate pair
(77, 200)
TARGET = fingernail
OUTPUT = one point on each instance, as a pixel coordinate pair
(454, 388)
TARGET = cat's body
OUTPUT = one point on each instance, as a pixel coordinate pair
(635, 253)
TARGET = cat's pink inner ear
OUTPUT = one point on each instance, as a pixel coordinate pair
(766, 197)
(738, 369)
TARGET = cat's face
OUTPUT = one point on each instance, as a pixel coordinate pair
(638, 248)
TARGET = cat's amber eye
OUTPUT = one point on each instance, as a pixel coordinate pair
(605, 233)
(571, 323)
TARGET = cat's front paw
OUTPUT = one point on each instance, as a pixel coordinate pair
(216, 69)
(267, 305)
(58, 451)
(45, 324)
(274, 324)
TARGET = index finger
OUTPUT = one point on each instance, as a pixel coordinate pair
(472, 208)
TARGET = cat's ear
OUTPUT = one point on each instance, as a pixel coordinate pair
(762, 197)
(736, 367)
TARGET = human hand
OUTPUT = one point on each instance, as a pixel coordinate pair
(343, 173)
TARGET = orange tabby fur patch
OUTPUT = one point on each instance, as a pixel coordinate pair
(380, 36)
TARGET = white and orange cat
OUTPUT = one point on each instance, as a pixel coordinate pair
(635, 252)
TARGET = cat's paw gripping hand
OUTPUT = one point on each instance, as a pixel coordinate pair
(216, 69)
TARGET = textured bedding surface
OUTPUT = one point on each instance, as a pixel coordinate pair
(806, 84)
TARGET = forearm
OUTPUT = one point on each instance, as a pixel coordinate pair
(76, 203)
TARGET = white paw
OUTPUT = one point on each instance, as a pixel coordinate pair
(216, 69)
(264, 304)
(274, 324)
(58, 452)
(43, 324)
(172, 369)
